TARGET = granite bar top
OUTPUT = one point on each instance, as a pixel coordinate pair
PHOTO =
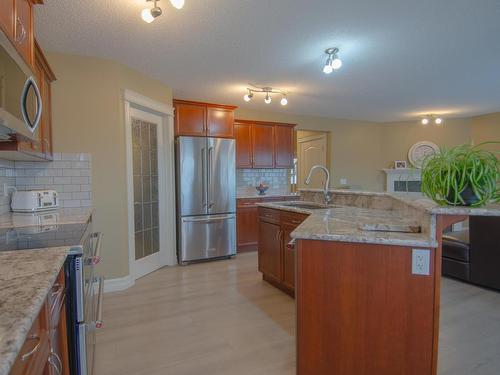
(26, 278)
(345, 224)
(61, 216)
(256, 195)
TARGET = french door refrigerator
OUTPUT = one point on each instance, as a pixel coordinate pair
(206, 198)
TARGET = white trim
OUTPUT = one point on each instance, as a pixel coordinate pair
(132, 102)
(148, 103)
(118, 284)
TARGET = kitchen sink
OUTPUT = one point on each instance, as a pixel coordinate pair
(305, 205)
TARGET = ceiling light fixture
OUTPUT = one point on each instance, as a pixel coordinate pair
(333, 62)
(179, 4)
(150, 14)
(436, 120)
(267, 91)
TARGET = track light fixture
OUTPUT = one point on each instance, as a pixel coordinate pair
(333, 62)
(436, 120)
(150, 14)
(267, 91)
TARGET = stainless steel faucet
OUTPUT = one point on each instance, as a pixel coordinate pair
(326, 193)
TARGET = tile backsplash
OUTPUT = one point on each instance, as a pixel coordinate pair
(70, 174)
(277, 179)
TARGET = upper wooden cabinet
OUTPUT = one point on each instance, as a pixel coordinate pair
(16, 21)
(45, 78)
(243, 136)
(23, 29)
(220, 122)
(203, 119)
(262, 144)
(7, 17)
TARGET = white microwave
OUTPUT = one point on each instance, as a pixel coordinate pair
(20, 99)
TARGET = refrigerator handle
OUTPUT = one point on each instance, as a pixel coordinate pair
(203, 177)
(210, 166)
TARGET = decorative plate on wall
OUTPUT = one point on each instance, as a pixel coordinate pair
(419, 151)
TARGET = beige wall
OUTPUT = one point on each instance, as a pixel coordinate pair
(486, 129)
(88, 116)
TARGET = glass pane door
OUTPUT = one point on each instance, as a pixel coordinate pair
(146, 202)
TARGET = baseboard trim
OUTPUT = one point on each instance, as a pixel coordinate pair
(118, 284)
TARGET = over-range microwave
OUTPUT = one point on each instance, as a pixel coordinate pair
(20, 99)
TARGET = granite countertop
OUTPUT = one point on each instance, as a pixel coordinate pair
(344, 224)
(26, 278)
(61, 216)
(247, 195)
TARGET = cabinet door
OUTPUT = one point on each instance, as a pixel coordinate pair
(288, 274)
(263, 145)
(247, 228)
(243, 136)
(284, 150)
(269, 250)
(220, 122)
(190, 119)
(23, 29)
(7, 17)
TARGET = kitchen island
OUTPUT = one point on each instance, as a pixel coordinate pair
(367, 283)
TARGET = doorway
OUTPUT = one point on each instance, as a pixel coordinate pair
(312, 149)
(150, 202)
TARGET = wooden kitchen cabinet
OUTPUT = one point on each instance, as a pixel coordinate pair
(284, 149)
(7, 17)
(45, 351)
(243, 137)
(45, 78)
(269, 249)
(262, 144)
(199, 119)
(23, 29)
(220, 122)
(275, 250)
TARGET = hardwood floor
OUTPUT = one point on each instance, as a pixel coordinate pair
(220, 318)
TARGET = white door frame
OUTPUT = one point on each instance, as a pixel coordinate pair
(166, 190)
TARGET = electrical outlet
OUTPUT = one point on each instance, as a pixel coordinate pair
(343, 181)
(420, 264)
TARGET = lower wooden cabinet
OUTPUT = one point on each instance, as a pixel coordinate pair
(247, 221)
(45, 351)
(276, 253)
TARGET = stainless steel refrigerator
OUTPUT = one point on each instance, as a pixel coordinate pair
(206, 198)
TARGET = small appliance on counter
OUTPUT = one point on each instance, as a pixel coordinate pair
(262, 189)
(34, 200)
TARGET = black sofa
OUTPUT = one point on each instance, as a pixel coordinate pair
(473, 255)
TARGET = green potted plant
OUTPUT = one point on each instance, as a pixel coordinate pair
(465, 175)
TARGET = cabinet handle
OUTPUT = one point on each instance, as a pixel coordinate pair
(59, 367)
(20, 39)
(291, 245)
(34, 350)
(56, 289)
(54, 365)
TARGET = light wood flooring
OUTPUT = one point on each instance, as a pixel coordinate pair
(220, 318)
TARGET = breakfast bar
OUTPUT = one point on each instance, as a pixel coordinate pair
(367, 281)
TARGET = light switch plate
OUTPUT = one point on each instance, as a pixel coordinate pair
(420, 264)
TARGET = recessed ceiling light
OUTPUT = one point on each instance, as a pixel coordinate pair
(438, 121)
(284, 101)
(179, 4)
(425, 121)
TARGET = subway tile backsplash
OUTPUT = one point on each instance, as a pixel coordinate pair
(277, 179)
(70, 174)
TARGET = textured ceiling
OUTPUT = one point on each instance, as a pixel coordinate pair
(401, 58)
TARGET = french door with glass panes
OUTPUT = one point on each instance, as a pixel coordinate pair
(147, 169)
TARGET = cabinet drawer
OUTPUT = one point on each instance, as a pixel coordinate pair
(293, 219)
(269, 214)
(34, 352)
(247, 202)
